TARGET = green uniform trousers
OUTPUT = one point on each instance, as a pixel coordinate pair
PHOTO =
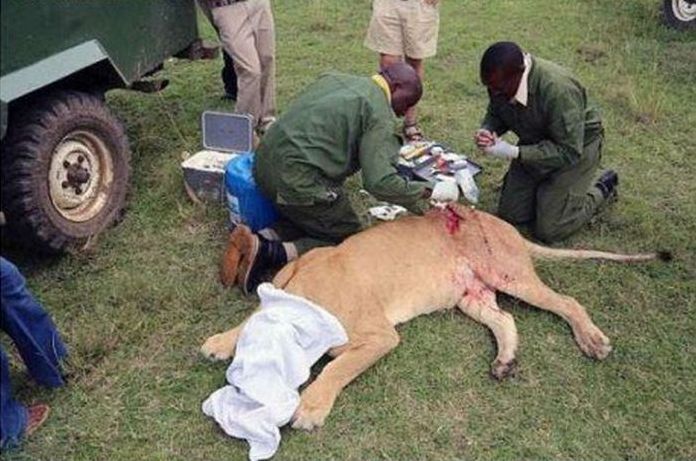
(558, 204)
(317, 225)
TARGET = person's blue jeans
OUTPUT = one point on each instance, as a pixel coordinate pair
(37, 341)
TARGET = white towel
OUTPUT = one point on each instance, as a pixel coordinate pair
(275, 351)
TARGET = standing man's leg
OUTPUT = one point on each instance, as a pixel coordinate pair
(384, 33)
(394, 32)
(30, 327)
(40, 346)
(238, 38)
(420, 24)
(386, 60)
(16, 420)
(265, 42)
(228, 74)
(411, 118)
(229, 77)
(569, 199)
(13, 415)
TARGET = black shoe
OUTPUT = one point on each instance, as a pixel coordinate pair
(607, 183)
(261, 256)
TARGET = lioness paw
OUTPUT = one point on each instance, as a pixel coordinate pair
(218, 347)
(309, 419)
(593, 342)
(501, 370)
(313, 410)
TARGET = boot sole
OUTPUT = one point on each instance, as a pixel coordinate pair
(247, 262)
(230, 260)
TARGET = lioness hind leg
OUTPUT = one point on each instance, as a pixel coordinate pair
(588, 336)
(479, 303)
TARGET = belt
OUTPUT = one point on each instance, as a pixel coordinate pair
(218, 3)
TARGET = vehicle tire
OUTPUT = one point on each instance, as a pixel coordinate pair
(65, 171)
(680, 14)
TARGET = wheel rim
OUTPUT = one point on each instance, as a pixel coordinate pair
(80, 176)
(684, 10)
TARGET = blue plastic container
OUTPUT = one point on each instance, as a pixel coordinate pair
(246, 204)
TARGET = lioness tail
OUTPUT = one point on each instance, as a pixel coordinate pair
(542, 252)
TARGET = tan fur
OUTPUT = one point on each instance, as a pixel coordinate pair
(396, 271)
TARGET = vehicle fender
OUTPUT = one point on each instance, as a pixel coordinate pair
(40, 74)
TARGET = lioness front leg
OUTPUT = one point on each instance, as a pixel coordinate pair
(319, 397)
(222, 345)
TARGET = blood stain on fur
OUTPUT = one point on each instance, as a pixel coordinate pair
(486, 243)
(451, 221)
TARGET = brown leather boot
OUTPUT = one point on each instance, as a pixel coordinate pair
(238, 241)
(259, 256)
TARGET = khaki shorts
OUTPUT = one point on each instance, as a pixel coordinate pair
(403, 28)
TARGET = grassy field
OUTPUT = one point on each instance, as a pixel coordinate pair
(135, 311)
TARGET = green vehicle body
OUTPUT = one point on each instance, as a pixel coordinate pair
(81, 43)
(65, 157)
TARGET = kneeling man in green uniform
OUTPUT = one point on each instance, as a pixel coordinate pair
(551, 184)
(339, 125)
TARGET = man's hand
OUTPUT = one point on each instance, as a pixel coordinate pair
(445, 191)
(484, 138)
(502, 149)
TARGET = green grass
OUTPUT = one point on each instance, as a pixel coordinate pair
(135, 311)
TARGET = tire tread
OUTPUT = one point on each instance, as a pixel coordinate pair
(23, 151)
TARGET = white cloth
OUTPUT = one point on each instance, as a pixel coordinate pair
(388, 212)
(445, 191)
(275, 351)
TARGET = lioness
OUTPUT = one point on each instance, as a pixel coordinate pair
(396, 271)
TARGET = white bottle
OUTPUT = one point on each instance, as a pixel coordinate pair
(467, 184)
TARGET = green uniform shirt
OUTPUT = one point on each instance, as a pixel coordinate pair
(339, 125)
(554, 126)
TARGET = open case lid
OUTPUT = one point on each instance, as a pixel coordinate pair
(226, 132)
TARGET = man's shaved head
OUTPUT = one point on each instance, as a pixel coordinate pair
(405, 85)
(502, 56)
(502, 66)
